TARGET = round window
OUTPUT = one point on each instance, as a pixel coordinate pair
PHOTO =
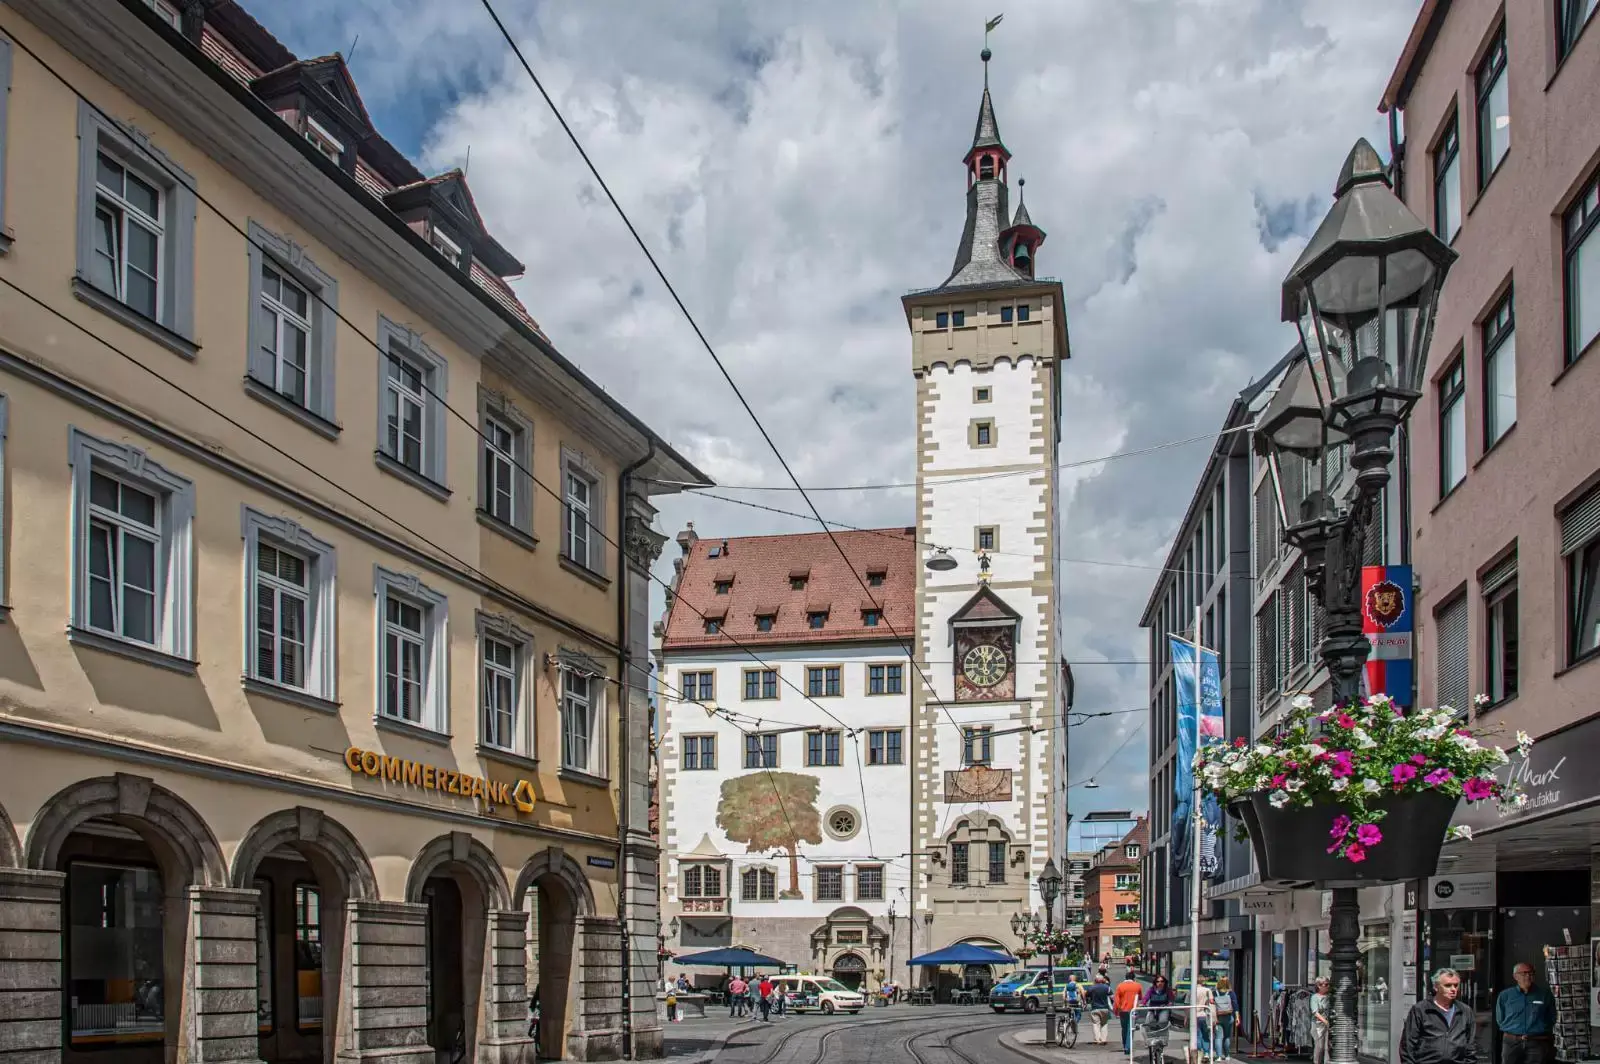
(842, 822)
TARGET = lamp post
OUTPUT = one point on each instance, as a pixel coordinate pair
(1363, 296)
(1049, 891)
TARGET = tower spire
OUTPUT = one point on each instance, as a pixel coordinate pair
(980, 258)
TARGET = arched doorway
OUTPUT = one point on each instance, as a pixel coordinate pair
(458, 879)
(131, 851)
(305, 867)
(555, 894)
(850, 969)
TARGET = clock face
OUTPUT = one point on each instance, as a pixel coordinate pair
(985, 665)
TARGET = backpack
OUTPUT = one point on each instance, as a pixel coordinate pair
(1224, 1002)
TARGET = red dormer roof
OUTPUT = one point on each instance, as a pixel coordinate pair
(763, 570)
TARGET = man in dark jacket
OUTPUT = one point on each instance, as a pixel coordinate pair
(1440, 1029)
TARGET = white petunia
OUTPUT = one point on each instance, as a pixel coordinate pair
(1466, 742)
(1263, 750)
(1278, 799)
(1364, 741)
(1315, 750)
(1371, 786)
(1460, 831)
(1293, 786)
(1499, 755)
(1480, 699)
(1302, 702)
(1341, 783)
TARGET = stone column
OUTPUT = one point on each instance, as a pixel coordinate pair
(221, 978)
(503, 1038)
(597, 1028)
(30, 977)
(384, 1015)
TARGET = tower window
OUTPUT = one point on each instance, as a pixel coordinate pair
(982, 434)
(981, 395)
(1005, 315)
(958, 318)
(986, 168)
(941, 320)
(987, 537)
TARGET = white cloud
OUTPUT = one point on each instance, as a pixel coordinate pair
(797, 167)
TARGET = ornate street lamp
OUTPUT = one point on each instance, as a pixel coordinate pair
(1049, 891)
(1363, 296)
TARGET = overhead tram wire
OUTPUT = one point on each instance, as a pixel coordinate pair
(317, 296)
(712, 352)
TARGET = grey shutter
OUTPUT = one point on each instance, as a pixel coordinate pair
(258, 362)
(1452, 687)
(1581, 522)
(1294, 591)
(1266, 651)
(597, 515)
(1266, 528)
(1500, 574)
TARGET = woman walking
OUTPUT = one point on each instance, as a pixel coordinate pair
(1227, 1017)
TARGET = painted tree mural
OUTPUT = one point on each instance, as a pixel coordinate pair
(772, 811)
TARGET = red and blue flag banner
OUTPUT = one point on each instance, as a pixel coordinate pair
(1387, 620)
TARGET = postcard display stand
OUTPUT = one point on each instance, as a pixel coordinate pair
(1567, 969)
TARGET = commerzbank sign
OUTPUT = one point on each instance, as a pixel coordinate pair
(1550, 776)
(442, 780)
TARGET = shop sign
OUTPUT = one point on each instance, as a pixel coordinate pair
(1270, 906)
(431, 778)
(602, 862)
(1549, 776)
(1469, 890)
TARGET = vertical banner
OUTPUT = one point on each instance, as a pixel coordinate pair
(1387, 620)
(1208, 700)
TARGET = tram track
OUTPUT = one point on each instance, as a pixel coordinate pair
(777, 1050)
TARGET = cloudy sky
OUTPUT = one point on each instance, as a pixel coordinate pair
(797, 167)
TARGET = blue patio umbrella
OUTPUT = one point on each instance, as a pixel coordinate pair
(732, 957)
(961, 953)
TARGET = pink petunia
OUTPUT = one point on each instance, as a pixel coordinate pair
(1341, 765)
(1341, 825)
(1368, 835)
(1438, 776)
(1477, 789)
(1345, 720)
(1355, 852)
(1277, 781)
(1419, 760)
(1402, 774)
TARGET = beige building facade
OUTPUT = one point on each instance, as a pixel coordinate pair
(323, 719)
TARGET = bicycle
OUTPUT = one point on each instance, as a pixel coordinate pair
(1157, 1030)
(1068, 1035)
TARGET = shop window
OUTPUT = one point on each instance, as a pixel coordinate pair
(114, 960)
(1372, 999)
(307, 957)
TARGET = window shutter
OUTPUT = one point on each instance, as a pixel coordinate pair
(1502, 573)
(1266, 651)
(1581, 522)
(1453, 687)
(1295, 585)
(1372, 545)
(1266, 528)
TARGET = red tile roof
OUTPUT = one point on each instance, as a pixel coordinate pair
(761, 568)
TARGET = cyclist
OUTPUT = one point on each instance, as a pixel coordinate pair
(1073, 995)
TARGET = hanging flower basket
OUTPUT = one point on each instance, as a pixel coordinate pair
(1359, 794)
(1049, 942)
(1024, 953)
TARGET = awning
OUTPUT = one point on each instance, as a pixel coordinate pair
(962, 953)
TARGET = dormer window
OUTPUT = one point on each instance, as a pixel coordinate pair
(798, 579)
(816, 619)
(713, 625)
(325, 142)
(444, 245)
(1132, 851)
(764, 622)
(870, 618)
(875, 577)
(722, 587)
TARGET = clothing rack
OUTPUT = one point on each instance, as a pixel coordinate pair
(1288, 1027)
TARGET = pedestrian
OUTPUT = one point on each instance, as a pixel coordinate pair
(764, 999)
(1440, 1029)
(1525, 1014)
(1098, 995)
(1320, 1002)
(1123, 1002)
(683, 984)
(780, 997)
(1227, 1017)
(672, 1005)
(1202, 998)
(737, 997)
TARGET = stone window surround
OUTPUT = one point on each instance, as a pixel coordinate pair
(972, 433)
(983, 393)
(599, 771)
(503, 408)
(576, 462)
(757, 869)
(816, 882)
(173, 326)
(320, 412)
(842, 836)
(977, 537)
(175, 607)
(883, 885)
(402, 340)
(822, 748)
(701, 738)
(321, 689)
(886, 732)
(744, 687)
(435, 723)
(524, 721)
(822, 669)
(866, 683)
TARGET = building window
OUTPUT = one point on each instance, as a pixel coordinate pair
(505, 650)
(1447, 183)
(699, 752)
(758, 884)
(583, 740)
(885, 679)
(1499, 373)
(830, 883)
(982, 395)
(1502, 631)
(977, 747)
(988, 537)
(133, 523)
(1580, 545)
(870, 618)
(1127, 881)
(823, 748)
(136, 215)
(982, 434)
(505, 487)
(722, 587)
(764, 622)
(702, 881)
(325, 142)
(997, 862)
(1451, 686)
(760, 684)
(958, 318)
(444, 245)
(293, 320)
(308, 957)
(291, 602)
(165, 12)
(760, 750)
(1022, 312)
(869, 882)
(875, 577)
(583, 513)
(941, 320)
(1131, 851)
(1494, 109)
(1006, 315)
(798, 579)
(713, 625)
(413, 650)
(959, 857)
(698, 686)
(115, 922)
(832, 681)
(816, 619)
(1582, 272)
(411, 390)
(1128, 912)
(1571, 17)
(1452, 428)
(884, 747)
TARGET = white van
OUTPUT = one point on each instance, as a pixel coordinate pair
(806, 992)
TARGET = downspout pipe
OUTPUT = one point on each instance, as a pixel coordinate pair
(624, 687)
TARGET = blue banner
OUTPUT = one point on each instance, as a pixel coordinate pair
(1212, 729)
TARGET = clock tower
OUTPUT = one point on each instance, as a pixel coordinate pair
(989, 742)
